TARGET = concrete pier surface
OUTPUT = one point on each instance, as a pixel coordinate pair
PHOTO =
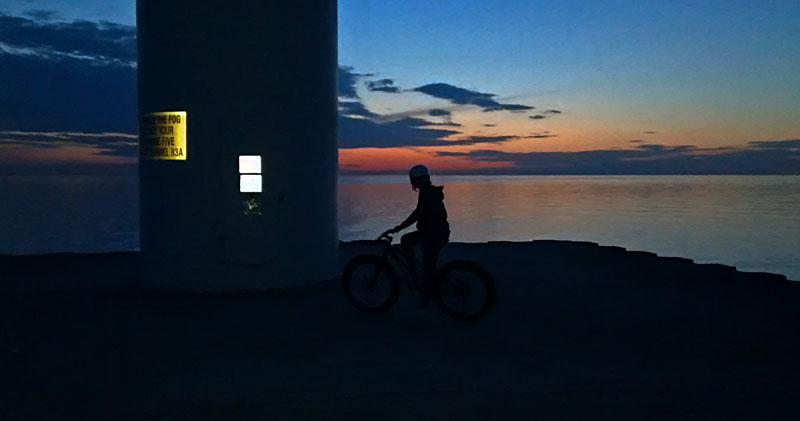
(579, 331)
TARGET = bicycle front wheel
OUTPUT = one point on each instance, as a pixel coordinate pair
(370, 284)
(464, 290)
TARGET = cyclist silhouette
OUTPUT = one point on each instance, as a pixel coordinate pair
(433, 231)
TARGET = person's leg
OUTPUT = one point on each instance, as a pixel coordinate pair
(430, 256)
(408, 241)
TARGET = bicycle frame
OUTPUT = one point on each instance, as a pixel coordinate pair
(396, 252)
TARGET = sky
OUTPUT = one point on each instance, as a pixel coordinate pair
(501, 87)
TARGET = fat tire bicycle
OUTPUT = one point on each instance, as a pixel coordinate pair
(372, 285)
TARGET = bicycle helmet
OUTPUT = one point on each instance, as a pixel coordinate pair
(418, 171)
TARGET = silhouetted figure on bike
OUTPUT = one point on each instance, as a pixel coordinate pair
(433, 231)
(461, 288)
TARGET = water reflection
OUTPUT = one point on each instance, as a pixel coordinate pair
(752, 222)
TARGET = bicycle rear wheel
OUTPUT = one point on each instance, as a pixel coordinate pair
(464, 291)
(370, 284)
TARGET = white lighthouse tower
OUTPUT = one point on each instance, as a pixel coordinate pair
(238, 160)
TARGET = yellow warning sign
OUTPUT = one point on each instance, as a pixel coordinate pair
(163, 135)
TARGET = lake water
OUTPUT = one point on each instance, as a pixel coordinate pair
(751, 222)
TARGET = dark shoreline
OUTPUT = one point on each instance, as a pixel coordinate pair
(579, 331)
(16, 266)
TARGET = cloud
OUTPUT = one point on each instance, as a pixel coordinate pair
(73, 76)
(769, 157)
(115, 144)
(414, 122)
(471, 140)
(536, 117)
(553, 112)
(636, 141)
(40, 94)
(409, 131)
(664, 148)
(100, 43)
(455, 94)
(446, 123)
(383, 85)
(792, 144)
(346, 81)
(438, 112)
(489, 125)
(40, 14)
(463, 96)
(649, 132)
(445, 115)
(542, 135)
(355, 108)
(508, 107)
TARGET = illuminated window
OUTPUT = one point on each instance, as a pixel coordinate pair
(250, 183)
(250, 173)
(249, 164)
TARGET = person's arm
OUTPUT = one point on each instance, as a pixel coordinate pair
(410, 220)
(414, 217)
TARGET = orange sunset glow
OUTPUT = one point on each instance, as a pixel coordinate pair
(400, 159)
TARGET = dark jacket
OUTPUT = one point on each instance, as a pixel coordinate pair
(430, 214)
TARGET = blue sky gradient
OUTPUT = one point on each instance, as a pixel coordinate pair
(468, 85)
